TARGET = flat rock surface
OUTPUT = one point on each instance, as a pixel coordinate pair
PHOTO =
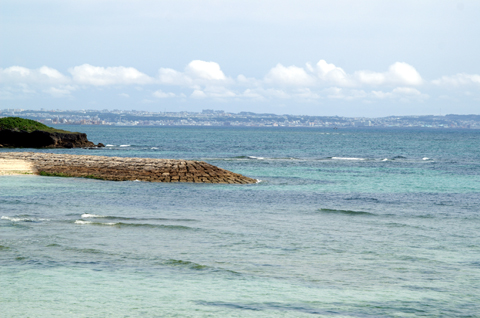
(119, 168)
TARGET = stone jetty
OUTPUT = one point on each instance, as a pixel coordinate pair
(117, 168)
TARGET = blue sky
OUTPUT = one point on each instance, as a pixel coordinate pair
(344, 57)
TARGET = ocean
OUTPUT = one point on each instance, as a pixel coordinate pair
(342, 223)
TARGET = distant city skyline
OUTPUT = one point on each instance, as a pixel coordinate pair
(318, 58)
(209, 117)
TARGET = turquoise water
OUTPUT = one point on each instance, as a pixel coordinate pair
(345, 223)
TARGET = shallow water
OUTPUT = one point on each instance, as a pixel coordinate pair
(333, 229)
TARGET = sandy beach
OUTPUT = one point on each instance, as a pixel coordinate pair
(16, 167)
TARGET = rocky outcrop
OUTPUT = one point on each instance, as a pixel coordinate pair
(44, 139)
(123, 169)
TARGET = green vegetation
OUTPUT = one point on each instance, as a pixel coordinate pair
(54, 174)
(64, 175)
(28, 125)
(90, 176)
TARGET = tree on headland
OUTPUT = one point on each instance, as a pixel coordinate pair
(28, 125)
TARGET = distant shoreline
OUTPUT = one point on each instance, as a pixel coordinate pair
(218, 118)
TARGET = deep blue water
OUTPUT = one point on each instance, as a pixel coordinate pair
(344, 223)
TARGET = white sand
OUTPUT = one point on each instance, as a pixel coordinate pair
(15, 166)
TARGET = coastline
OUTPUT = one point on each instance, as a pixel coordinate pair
(117, 168)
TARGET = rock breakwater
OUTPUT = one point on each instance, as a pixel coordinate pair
(124, 169)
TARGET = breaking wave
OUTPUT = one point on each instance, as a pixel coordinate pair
(109, 217)
(348, 212)
(347, 158)
(141, 225)
(22, 219)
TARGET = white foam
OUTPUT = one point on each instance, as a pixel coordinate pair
(88, 215)
(425, 158)
(109, 145)
(83, 222)
(347, 158)
(385, 159)
(154, 148)
(20, 219)
(258, 180)
(253, 157)
(13, 219)
(124, 145)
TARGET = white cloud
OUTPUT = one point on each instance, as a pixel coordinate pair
(345, 94)
(398, 73)
(198, 94)
(42, 75)
(403, 74)
(161, 94)
(457, 80)
(248, 81)
(306, 94)
(197, 74)
(205, 70)
(291, 76)
(274, 93)
(250, 93)
(401, 93)
(216, 92)
(332, 74)
(324, 74)
(206, 80)
(17, 91)
(59, 92)
(101, 76)
(172, 77)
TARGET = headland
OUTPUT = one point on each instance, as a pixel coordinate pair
(18, 132)
(117, 168)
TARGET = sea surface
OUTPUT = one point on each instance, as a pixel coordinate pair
(343, 223)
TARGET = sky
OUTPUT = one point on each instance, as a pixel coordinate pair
(354, 58)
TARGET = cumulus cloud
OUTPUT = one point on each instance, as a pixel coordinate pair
(331, 74)
(216, 92)
(398, 73)
(198, 94)
(172, 77)
(253, 94)
(403, 74)
(196, 73)
(42, 75)
(345, 94)
(206, 80)
(291, 76)
(102, 76)
(324, 74)
(59, 92)
(402, 93)
(205, 70)
(306, 94)
(457, 80)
